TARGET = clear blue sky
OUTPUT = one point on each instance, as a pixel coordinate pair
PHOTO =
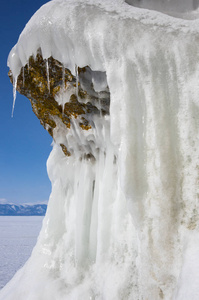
(24, 144)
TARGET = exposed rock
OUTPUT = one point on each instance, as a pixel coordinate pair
(43, 80)
(65, 150)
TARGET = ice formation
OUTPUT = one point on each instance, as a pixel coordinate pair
(123, 216)
(167, 6)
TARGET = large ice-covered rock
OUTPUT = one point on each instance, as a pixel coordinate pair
(58, 97)
(122, 221)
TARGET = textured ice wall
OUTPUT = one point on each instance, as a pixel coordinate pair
(168, 6)
(124, 225)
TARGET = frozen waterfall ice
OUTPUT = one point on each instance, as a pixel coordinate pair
(123, 217)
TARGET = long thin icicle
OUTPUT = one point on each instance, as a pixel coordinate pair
(14, 95)
(63, 76)
(23, 76)
(47, 72)
(77, 80)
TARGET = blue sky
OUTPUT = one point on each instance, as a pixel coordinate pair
(24, 144)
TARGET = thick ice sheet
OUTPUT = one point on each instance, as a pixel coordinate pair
(47, 32)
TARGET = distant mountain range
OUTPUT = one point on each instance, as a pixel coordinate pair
(23, 209)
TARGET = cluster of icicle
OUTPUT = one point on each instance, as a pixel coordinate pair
(122, 223)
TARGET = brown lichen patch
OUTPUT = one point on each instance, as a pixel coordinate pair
(56, 90)
(65, 150)
(40, 88)
(82, 70)
(85, 124)
(85, 127)
(82, 94)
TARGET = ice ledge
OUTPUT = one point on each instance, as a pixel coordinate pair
(70, 25)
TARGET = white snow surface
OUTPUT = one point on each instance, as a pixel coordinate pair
(123, 226)
(18, 236)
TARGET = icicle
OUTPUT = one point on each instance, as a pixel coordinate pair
(63, 76)
(14, 94)
(23, 76)
(47, 72)
(77, 80)
(64, 87)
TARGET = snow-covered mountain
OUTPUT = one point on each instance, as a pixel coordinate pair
(22, 210)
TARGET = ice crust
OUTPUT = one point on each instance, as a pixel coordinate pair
(123, 223)
(178, 7)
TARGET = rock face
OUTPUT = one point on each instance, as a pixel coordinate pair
(47, 84)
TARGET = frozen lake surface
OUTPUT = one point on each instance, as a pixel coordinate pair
(18, 236)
